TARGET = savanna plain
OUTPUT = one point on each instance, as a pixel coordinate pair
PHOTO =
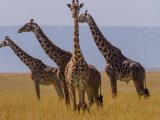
(18, 101)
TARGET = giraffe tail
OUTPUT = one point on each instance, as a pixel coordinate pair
(100, 97)
(145, 91)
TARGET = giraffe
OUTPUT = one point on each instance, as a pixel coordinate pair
(77, 70)
(41, 74)
(61, 58)
(93, 87)
(118, 67)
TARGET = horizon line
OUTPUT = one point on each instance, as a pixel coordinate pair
(82, 26)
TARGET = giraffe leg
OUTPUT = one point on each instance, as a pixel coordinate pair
(81, 103)
(59, 91)
(138, 76)
(82, 96)
(61, 77)
(79, 98)
(138, 84)
(72, 91)
(66, 92)
(58, 87)
(96, 97)
(89, 95)
(139, 87)
(37, 87)
(113, 81)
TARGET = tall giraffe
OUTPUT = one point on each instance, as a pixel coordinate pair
(41, 74)
(61, 58)
(77, 70)
(118, 66)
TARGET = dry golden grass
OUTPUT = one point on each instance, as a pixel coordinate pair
(18, 101)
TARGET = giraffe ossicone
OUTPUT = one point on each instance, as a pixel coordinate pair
(31, 20)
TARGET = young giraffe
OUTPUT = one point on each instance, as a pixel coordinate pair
(77, 70)
(118, 66)
(61, 58)
(41, 74)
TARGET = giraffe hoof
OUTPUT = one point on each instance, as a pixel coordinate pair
(114, 95)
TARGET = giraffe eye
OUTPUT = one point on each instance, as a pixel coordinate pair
(83, 17)
(28, 26)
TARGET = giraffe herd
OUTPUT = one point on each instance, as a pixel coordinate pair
(73, 72)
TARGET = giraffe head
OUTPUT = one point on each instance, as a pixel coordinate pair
(28, 27)
(85, 17)
(5, 42)
(75, 8)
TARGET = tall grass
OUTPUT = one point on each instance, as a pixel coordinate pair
(18, 101)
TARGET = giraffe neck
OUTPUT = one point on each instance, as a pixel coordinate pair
(54, 52)
(77, 50)
(28, 60)
(105, 47)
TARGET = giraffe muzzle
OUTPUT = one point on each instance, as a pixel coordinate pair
(19, 31)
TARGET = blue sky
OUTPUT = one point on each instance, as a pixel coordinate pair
(141, 45)
(106, 12)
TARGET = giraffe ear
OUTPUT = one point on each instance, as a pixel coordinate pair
(69, 5)
(81, 5)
